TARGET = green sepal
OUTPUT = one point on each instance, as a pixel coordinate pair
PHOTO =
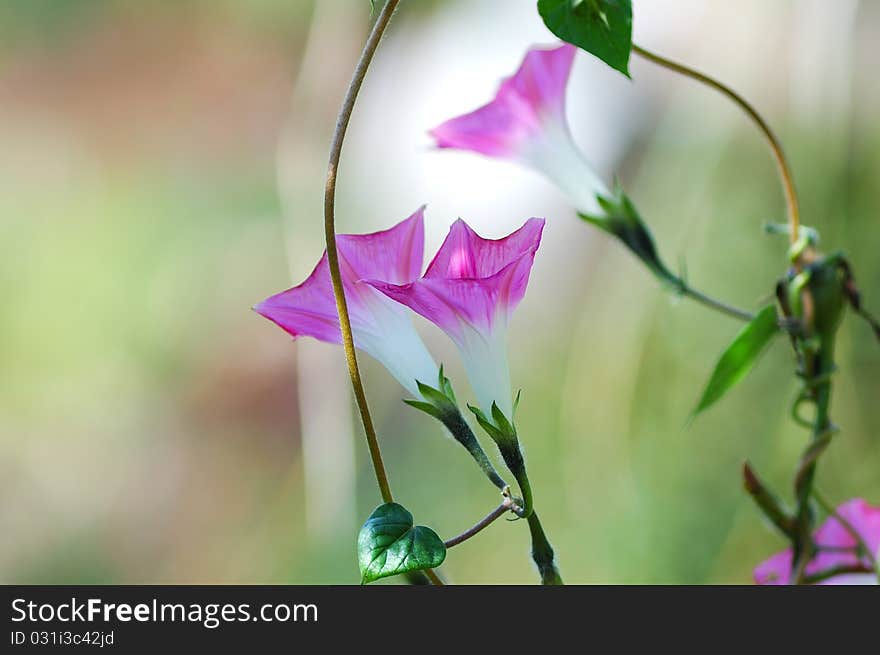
(440, 403)
(432, 395)
(428, 408)
(390, 544)
(622, 220)
(601, 27)
(442, 397)
(503, 432)
(486, 423)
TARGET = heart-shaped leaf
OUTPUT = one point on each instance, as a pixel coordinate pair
(740, 356)
(601, 27)
(389, 544)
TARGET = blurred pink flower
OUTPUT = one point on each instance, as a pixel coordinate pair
(469, 291)
(864, 518)
(381, 327)
(526, 123)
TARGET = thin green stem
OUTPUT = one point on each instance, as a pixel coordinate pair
(819, 385)
(342, 123)
(513, 459)
(717, 305)
(773, 141)
(462, 433)
(542, 553)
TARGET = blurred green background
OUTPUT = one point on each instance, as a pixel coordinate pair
(161, 171)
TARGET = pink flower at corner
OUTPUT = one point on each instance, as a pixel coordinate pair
(526, 123)
(470, 290)
(864, 518)
(381, 327)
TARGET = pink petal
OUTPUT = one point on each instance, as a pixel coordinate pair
(860, 515)
(309, 309)
(472, 281)
(453, 303)
(394, 255)
(542, 79)
(774, 571)
(864, 518)
(465, 254)
(535, 94)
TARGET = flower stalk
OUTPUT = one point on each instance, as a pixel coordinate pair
(542, 553)
(351, 359)
(503, 433)
(508, 505)
(342, 124)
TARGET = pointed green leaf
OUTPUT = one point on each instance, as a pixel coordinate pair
(389, 544)
(601, 27)
(740, 356)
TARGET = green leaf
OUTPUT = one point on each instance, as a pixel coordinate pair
(740, 356)
(389, 544)
(601, 27)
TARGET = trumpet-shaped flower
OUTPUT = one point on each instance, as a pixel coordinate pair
(526, 123)
(838, 548)
(380, 326)
(469, 291)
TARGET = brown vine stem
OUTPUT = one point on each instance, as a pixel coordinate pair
(342, 123)
(785, 175)
(483, 524)
(434, 578)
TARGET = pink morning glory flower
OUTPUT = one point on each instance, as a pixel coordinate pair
(832, 535)
(380, 326)
(469, 291)
(526, 123)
